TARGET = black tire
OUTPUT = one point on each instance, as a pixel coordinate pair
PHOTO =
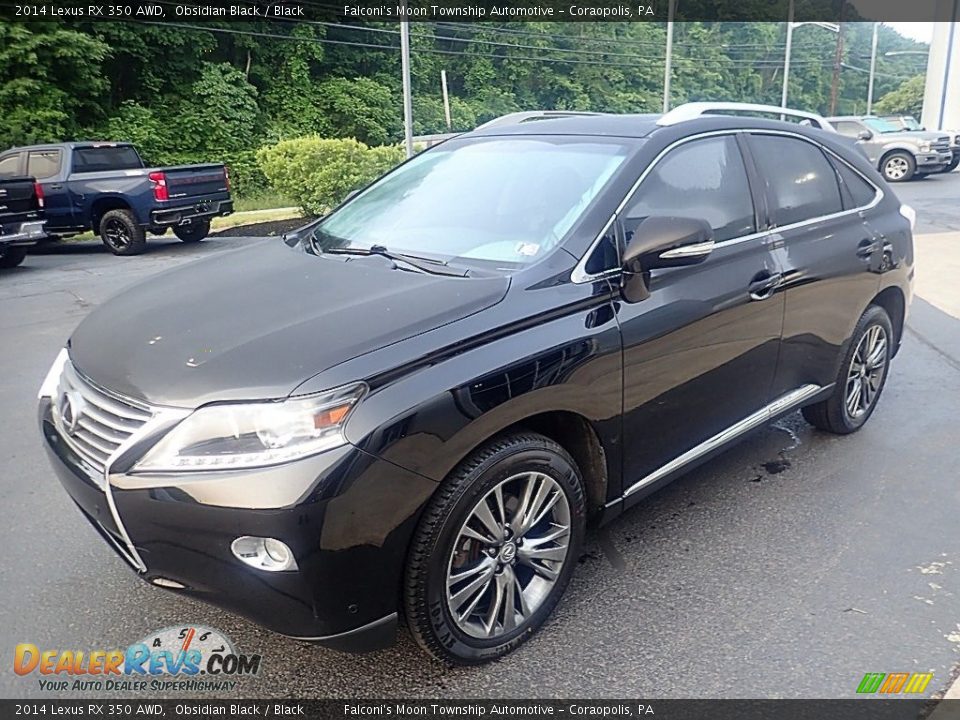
(834, 414)
(952, 165)
(194, 232)
(438, 543)
(121, 234)
(12, 256)
(898, 166)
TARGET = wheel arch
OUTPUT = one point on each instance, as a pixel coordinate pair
(101, 206)
(888, 151)
(892, 300)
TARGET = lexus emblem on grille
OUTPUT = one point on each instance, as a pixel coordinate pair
(71, 407)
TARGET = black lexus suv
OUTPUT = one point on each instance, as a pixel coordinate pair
(412, 407)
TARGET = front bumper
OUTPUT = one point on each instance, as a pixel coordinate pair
(24, 234)
(348, 527)
(933, 159)
(185, 214)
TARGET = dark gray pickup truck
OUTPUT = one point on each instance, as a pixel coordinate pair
(106, 187)
(21, 218)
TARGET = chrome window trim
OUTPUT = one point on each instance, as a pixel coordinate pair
(580, 274)
(754, 420)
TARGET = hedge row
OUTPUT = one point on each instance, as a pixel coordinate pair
(317, 173)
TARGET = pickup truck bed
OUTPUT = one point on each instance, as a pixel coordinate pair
(107, 188)
(21, 219)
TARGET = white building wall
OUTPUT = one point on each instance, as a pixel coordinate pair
(941, 98)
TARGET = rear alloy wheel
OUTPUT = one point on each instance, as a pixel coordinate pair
(495, 550)
(898, 166)
(194, 232)
(12, 256)
(121, 233)
(861, 378)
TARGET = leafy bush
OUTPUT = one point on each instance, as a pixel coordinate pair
(318, 173)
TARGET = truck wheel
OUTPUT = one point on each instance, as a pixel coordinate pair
(495, 549)
(194, 232)
(121, 233)
(952, 165)
(12, 256)
(898, 166)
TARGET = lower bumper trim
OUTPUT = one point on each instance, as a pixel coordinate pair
(375, 635)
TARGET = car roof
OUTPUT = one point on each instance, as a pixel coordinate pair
(633, 126)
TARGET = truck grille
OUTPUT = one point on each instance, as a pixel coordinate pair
(942, 144)
(92, 421)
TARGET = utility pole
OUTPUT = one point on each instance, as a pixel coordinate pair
(446, 99)
(668, 62)
(786, 57)
(405, 72)
(837, 60)
(873, 68)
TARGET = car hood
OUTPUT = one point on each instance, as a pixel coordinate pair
(257, 322)
(916, 135)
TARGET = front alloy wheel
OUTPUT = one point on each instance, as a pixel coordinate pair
(495, 549)
(508, 555)
(899, 166)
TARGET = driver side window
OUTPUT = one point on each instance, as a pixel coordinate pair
(703, 179)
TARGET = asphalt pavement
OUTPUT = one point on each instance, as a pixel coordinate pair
(788, 567)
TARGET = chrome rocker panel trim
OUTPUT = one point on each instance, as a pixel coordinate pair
(761, 416)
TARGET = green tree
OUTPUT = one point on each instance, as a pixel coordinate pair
(220, 113)
(905, 100)
(51, 84)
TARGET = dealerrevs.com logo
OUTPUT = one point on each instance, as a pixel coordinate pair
(188, 658)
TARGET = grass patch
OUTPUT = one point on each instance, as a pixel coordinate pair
(263, 200)
(249, 217)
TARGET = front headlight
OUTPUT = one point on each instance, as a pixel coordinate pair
(249, 435)
(925, 147)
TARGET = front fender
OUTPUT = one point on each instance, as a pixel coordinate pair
(428, 420)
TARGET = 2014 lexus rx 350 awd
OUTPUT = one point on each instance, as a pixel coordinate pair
(412, 407)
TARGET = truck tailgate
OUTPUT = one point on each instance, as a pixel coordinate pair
(18, 199)
(190, 182)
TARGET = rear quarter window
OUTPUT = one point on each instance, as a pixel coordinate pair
(857, 192)
(800, 182)
(99, 159)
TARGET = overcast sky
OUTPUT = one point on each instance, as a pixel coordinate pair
(922, 31)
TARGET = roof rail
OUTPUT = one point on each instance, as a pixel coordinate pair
(690, 111)
(516, 118)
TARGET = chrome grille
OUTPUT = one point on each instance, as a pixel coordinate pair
(93, 421)
(941, 144)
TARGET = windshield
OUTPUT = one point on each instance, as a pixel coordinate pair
(911, 123)
(504, 200)
(880, 126)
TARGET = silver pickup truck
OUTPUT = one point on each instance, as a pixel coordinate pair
(899, 155)
(909, 122)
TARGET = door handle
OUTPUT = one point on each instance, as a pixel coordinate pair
(867, 248)
(763, 285)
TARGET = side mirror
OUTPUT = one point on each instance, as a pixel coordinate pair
(864, 135)
(663, 242)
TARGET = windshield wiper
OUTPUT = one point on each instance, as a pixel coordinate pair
(422, 264)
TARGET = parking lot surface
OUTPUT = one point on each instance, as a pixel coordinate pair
(788, 567)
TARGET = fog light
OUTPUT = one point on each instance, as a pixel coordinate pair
(264, 553)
